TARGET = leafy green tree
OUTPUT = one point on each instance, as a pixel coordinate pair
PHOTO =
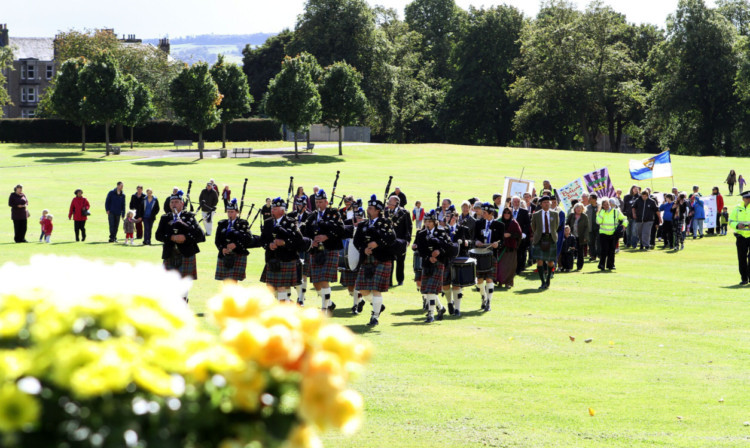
(65, 99)
(195, 99)
(86, 44)
(438, 22)
(341, 97)
(261, 64)
(6, 62)
(292, 97)
(737, 12)
(236, 99)
(141, 109)
(693, 104)
(106, 97)
(477, 108)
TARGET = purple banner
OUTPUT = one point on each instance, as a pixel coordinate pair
(599, 182)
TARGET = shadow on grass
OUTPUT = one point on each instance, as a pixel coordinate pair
(61, 154)
(412, 312)
(290, 161)
(737, 286)
(530, 291)
(161, 163)
(362, 329)
(70, 160)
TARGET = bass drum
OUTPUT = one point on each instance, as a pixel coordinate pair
(483, 257)
(344, 255)
(352, 255)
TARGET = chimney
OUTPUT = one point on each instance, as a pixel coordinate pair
(4, 39)
(164, 45)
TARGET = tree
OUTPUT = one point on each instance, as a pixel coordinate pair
(263, 63)
(106, 97)
(141, 109)
(196, 98)
(477, 108)
(292, 97)
(66, 99)
(438, 22)
(236, 99)
(693, 105)
(6, 62)
(341, 97)
(737, 12)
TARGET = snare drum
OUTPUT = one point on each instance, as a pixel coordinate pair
(483, 257)
(464, 272)
(344, 255)
(417, 262)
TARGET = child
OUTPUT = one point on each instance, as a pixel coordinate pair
(741, 181)
(417, 215)
(568, 253)
(128, 225)
(724, 220)
(47, 227)
(41, 223)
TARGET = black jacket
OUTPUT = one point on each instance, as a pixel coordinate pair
(440, 241)
(461, 236)
(470, 223)
(239, 235)
(208, 199)
(401, 198)
(401, 223)
(137, 204)
(645, 211)
(185, 225)
(497, 231)
(524, 220)
(382, 233)
(288, 231)
(627, 205)
(330, 225)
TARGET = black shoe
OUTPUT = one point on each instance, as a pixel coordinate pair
(300, 303)
(111, 240)
(360, 306)
(543, 285)
(743, 283)
(400, 283)
(331, 308)
(457, 313)
(451, 309)
(484, 304)
(612, 268)
(429, 319)
(487, 308)
(441, 313)
(601, 268)
(382, 308)
(355, 309)
(373, 322)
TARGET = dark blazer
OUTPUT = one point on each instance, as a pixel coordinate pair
(239, 235)
(583, 226)
(288, 231)
(461, 236)
(537, 225)
(381, 232)
(18, 213)
(188, 226)
(330, 226)
(470, 223)
(401, 198)
(401, 224)
(138, 204)
(440, 241)
(497, 231)
(115, 203)
(523, 218)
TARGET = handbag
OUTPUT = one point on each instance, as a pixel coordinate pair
(619, 229)
(85, 212)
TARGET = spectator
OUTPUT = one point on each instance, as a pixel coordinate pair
(311, 199)
(47, 227)
(175, 191)
(591, 210)
(401, 196)
(666, 219)
(208, 200)
(226, 196)
(150, 211)
(508, 263)
(578, 222)
(719, 208)
(265, 211)
(128, 226)
(136, 204)
(699, 214)
(560, 228)
(569, 248)
(79, 211)
(45, 212)
(679, 214)
(114, 205)
(741, 183)
(609, 219)
(19, 213)
(523, 218)
(724, 221)
(417, 214)
(731, 180)
(645, 212)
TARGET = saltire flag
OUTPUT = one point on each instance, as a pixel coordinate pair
(652, 168)
(599, 182)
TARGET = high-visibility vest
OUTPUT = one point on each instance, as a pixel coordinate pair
(608, 220)
(740, 214)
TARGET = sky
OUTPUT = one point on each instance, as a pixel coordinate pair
(176, 18)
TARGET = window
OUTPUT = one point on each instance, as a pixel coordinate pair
(23, 94)
(28, 94)
(30, 72)
(50, 71)
(28, 113)
(23, 72)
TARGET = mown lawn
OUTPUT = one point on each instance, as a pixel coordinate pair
(667, 365)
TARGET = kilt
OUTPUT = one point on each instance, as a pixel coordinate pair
(493, 269)
(306, 266)
(538, 254)
(447, 275)
(326, 272)
(236, 272)
(434, 283)
(381, 279)
(188, 267)
(285, 278)
(348, 278)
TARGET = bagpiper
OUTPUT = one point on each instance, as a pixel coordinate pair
(436, 249)
(282, 240)
(299, 215)
(233, 239)
(373, 239)
(402, 226)
(461, 236)
(180, 233)
(488, 234)
(349, 277)
(325, 229)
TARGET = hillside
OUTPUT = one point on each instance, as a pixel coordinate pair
(206, 47)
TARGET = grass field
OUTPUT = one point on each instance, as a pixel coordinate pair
(668, 364)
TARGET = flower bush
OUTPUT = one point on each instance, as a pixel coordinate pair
(88, 359)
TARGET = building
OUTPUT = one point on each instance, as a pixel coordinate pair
(33, 69)
(322, 133)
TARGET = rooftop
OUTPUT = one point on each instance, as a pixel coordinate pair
(41, 48)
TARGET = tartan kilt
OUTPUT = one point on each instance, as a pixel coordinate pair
(326, 272)
(381, 279)
(434, 283)
(538, 254)
(447, 274)
(348, 278)
(188, 267)
(306, 266)
(285, 278)
(492, 272)
(236, 272)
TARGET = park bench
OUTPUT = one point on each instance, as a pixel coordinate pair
(188, 143)
(309, 147)
(115, 150)
(247, 151)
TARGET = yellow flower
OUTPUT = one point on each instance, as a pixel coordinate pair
(282, 348)
(155, 380)
(248, 339)
(310, 320)
(235, 302)
(110, 372)
(341, 341)
(12, 320)
(281, 314)
(17, 409)
(319, 393)
(13, 363)
(248, 384)
(324, 363)
(216, 358)
(346, 413)
(303, 436)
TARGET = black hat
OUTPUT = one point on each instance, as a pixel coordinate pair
(302, 200)
(278, 202)
(745, 194)
(451, 210)
(431, 216)
(178, 195)
(375, 202)
(544, 198)
(321, 194)
(359, 212)
(232, 205)
(487, 207)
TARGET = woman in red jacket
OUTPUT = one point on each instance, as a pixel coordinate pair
(506, 266)
(719, 208)
(79, 211)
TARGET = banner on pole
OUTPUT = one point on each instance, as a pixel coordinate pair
(573, 190)
(516, 187)
(599, 182)
(709, 206)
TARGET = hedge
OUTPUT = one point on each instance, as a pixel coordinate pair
(51, 130)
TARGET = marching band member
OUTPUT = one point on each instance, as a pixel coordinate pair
(373, 239)
(233, 239)
(349, 278)
(460, 235)
(488, 233)
(180, 233)
(436, 249)
(402, 227)
(299, 216)
(325, 228)
(282, 240)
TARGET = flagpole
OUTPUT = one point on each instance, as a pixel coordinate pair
(522, 170)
